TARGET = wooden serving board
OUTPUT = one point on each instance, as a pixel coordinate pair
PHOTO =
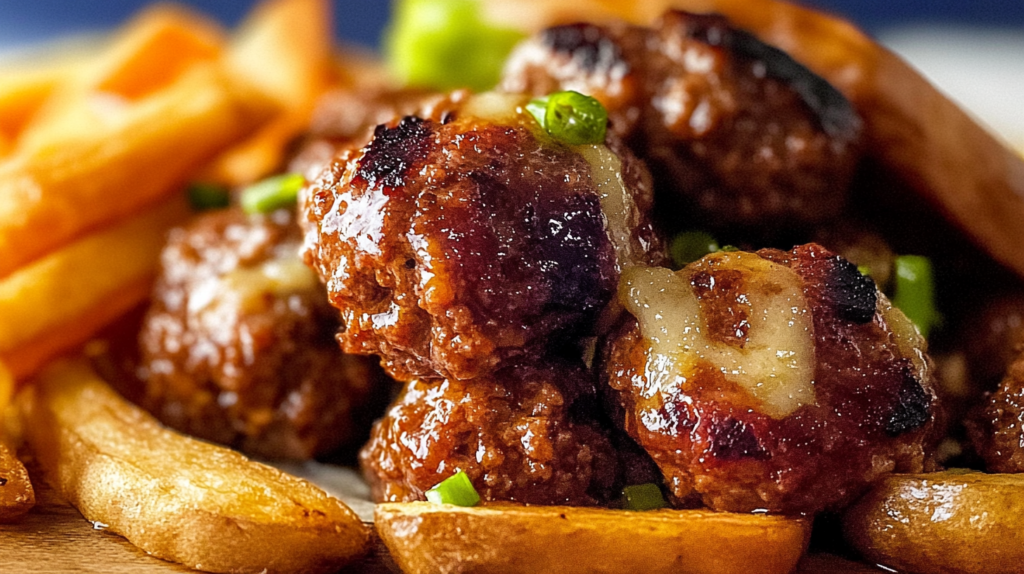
(54, 538)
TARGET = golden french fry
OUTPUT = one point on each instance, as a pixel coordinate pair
(178, 498)
(23, 91)
(58, 301)
(147, 55)
(507, 539)
(283, 48)
(16, 494)
(950, 522)
(54, 194)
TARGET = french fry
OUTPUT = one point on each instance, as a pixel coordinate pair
(175, 497)
(16, 493)
(57, 302)
(147, 55)
(24, 90)
(283, 48)
(58, 192)
(506, 539)
(950, 522)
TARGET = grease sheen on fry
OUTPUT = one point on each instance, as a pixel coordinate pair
(175, 497)
(949, 522)
(508, 539)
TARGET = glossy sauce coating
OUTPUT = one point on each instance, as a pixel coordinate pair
(238, 343)
(717, 441)
(735, 129)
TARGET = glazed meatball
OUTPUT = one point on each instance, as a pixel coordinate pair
(520, 435)
(737, 130)
(238, 345)
(781, 381)
(996, 427)
(462, 241)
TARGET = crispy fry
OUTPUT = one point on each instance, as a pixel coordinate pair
(505, 539)
(184, 500)
(943, 523)
(56, 193)
(284, 48)
(151, 52)
(60, 300)
(24, 90)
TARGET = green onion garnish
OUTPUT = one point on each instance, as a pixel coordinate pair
(643, 497)
(690, 246)
(445, 44)
(456, 489)
(914, 293)
(571, 117)
(272, 193)
(204, 196)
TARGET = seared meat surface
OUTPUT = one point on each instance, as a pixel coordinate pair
(772, 380)
(466, 240)
(522, 434)
(996, 427)
(238, 344)
(736, 129)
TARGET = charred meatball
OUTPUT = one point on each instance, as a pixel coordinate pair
(459, 242)
(773, 380)
(238, 345)
(739, 130)
(521, 435)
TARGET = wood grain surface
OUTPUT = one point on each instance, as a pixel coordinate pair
(54, 538)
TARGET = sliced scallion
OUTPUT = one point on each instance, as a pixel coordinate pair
(643, 497)
(204, 196)
(689, 246)
(457, 489)
(272, 193)
(914, 292)
(571, 117)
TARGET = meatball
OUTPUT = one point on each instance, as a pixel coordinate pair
(238, 344)
(774, 380)
(520, 435)
(465, 240)
(736, 130)
(996, 427)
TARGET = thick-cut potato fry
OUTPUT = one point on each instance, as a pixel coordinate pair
(507, 539)
(148, 54)
(24, 90)
(16, 493)
(912, 129)
(284, 48)
(60, 300)
(58, 192)
(175, 497)
(942, 523)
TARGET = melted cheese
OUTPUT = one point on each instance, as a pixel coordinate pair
(245, 288)
(776, 364)
(616, 204)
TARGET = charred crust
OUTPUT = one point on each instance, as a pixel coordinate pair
(837, 116)
(723, 305)
(393, 150)
(913, 405)
(853, 294)
(586, 44)
(731, 440)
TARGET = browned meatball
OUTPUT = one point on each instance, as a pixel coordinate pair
(739, 129)
(238, 344)
(521, 435)
(457, 243)
(772, 380)
(996, 427)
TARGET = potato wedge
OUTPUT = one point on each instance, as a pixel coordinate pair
(175, 497)
(59, 301)
(913, 130)
(58, 192)
(950, 522)
(508, 539)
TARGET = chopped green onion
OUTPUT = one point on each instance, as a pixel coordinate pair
(643, 497)
(204, 196)
(864, 270)
(729, 248)
(571, 117)
(445, 44)
(272, 193)
(914, 293)
(690, 246)
(456, 489)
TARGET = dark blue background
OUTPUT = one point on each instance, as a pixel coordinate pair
(24, 21)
